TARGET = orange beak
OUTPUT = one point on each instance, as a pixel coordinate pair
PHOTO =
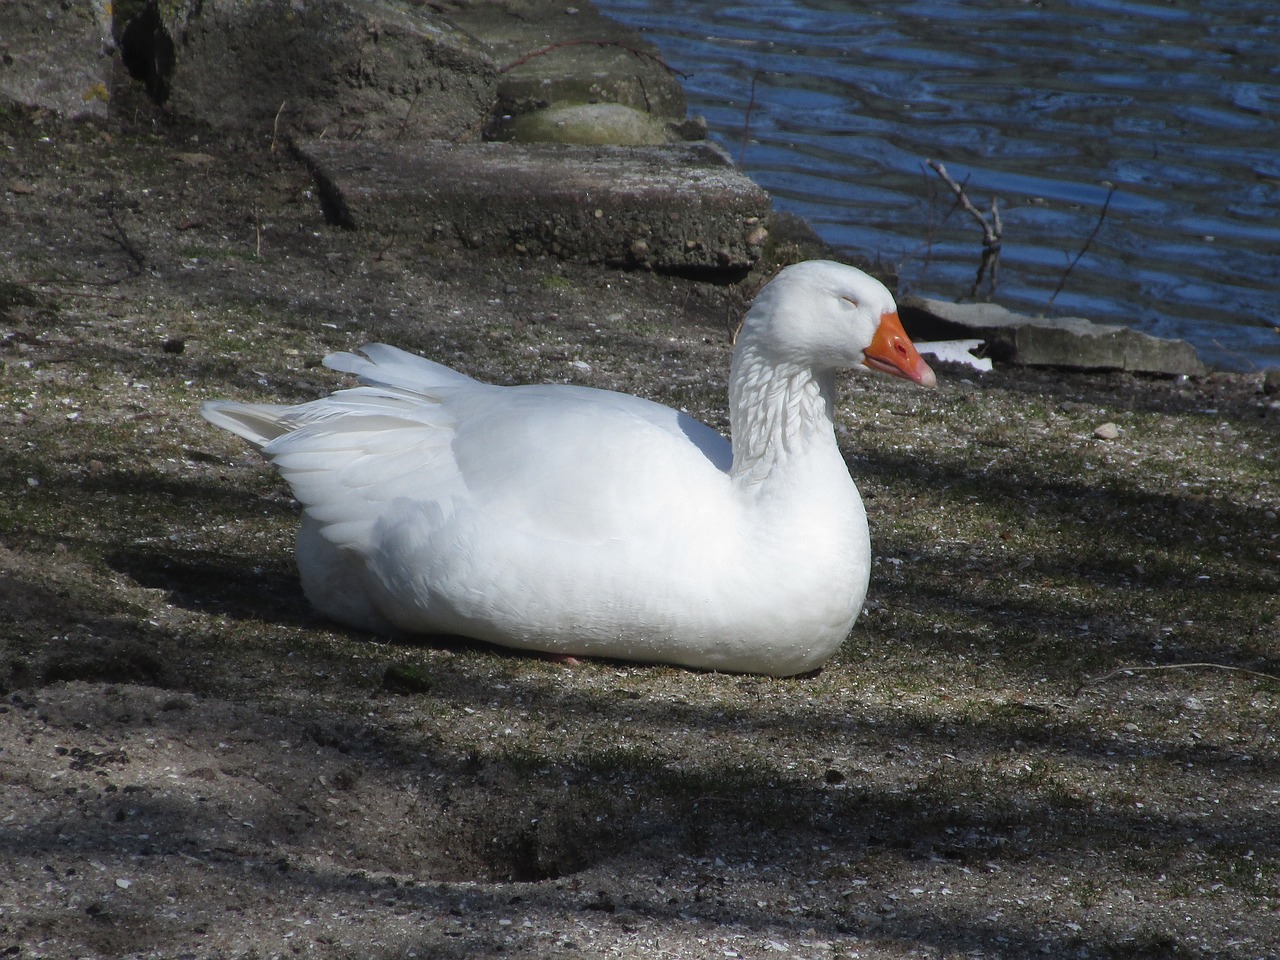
(892, 352)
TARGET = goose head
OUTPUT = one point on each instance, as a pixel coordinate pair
(829, 316)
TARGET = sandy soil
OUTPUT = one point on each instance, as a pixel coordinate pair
(195, 765)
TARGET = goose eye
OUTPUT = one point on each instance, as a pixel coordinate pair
(851, 302)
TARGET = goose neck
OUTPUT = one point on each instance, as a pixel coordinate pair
(777, 411)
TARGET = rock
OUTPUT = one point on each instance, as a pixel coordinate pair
(60, 57)
(1271, 382)
(600, 124)
(1106, 431)
(679, 207)
(349, 68)
(550, 53)
(1071, 342)
(370, 69)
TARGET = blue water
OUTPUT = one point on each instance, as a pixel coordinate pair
(834, 107)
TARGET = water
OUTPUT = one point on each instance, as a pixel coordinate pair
(834, 107)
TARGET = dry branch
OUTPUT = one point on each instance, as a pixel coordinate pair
(275, 128)
(990, 228)
(1123, 671)
(1084, 249)
(989, 267)
(120, 237)
(746, 120)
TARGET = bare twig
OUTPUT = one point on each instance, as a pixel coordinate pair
(473, 129)
(932, 222)
(275, 128)
(991, 252)
(1122, 671)
(1102, 215)
(931, 233)
(648, 104)
(746, 120)
(634, 51)
(992, 228)
(120, 237)
(408, 115)
(61, 278)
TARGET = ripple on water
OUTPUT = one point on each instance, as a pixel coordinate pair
(1177, 105)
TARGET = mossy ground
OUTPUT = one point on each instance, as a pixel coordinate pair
(195, 764)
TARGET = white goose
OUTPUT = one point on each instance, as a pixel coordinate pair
(570, 520)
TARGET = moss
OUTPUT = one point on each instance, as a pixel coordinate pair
(554, 281)
(405, 678)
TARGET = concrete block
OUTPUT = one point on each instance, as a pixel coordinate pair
(1068, 342)
(349, 68)
(59, 56)
(679, 207)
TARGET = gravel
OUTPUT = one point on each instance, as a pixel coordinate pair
(1052, 733)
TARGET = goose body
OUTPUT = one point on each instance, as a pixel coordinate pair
(571, 520)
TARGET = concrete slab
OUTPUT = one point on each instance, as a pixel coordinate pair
(1068, 342)
(678, 207)
(353, 68)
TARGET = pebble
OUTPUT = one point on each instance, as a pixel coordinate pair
(1106, 431)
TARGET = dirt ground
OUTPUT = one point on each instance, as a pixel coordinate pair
(192, 764)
